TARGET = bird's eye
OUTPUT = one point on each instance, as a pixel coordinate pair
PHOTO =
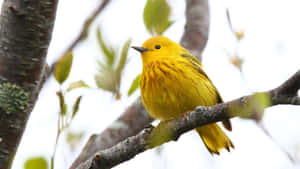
(157, 46)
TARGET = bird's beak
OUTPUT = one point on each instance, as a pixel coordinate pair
(140, 49)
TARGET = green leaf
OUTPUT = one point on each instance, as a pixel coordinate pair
(109, 78)
(62, 104)
(106, 80)
(77, 84)
(121, 65)
(76, 106)
(36, 163)
(123, 58)
(109, 52)
(63, 67)
(156, 16)
(134, 85)
(73, 138)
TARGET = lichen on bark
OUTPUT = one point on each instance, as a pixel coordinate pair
(13, 98)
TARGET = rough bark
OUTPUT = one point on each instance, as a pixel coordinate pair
(173, 129)
(25, 33)
(132, 121)
(194, 39)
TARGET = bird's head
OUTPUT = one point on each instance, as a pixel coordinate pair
(159, 47)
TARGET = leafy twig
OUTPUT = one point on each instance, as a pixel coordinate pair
(83, 33)
(63, 121)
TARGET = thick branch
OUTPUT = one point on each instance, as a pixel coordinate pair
(171, 130)
(194, 39)
(132, 121)
(25, 33)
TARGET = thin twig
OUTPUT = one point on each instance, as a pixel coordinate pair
(262, 126)
(83, 33)
(229, 20)
(56, 141)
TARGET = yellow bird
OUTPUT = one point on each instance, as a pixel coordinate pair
(173, 83)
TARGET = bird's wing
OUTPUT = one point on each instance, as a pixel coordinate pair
(226, 123)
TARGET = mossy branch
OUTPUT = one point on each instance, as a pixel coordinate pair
(173, 129)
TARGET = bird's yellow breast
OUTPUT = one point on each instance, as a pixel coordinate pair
(171, 87)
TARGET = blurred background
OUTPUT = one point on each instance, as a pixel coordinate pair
(258, 53)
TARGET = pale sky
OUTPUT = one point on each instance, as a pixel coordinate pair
(270, 51)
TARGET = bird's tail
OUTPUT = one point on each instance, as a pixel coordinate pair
(214, 138)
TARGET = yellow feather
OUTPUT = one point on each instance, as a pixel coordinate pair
(173, 83)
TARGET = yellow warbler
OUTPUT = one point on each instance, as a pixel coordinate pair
(173, 83)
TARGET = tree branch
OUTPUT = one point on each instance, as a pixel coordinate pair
(132, 121)
(196, 30)
(25, 33)
(173, 129)
(194, 39)
(237, 62)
